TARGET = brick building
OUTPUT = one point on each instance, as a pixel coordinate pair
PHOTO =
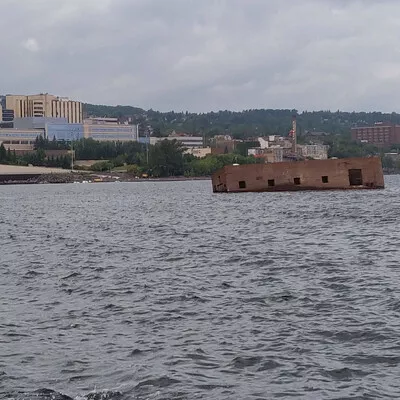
(380, 134)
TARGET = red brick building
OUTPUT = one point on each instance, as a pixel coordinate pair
(380, 134)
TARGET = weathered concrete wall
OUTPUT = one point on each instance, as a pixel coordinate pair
(300, 175)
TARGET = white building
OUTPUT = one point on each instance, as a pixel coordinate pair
(315, 151)
(199, 152)
(264, 142)
(188, 142)
(108, 129)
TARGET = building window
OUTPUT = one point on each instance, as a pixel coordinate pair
(296, 181)
(271, 182)
(242, 184)
(325, 179)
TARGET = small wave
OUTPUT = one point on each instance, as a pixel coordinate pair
(73, 275)
(162, 382)
(113, 307)
(197, 356)
(32, 274)
(344, 374)
(80, 378)
(356, 335)
(244, 362)
(268, 365)
(136, 352)
(104, 395)
(49, 394)
(373, 360)
(41, 394)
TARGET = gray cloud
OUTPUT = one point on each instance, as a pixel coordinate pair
(205, 55)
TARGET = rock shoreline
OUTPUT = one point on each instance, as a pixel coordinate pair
(77, 177)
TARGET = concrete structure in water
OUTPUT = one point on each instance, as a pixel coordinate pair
(347, 173)
(17, 174)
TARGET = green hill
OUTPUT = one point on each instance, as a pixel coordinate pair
(247, 123)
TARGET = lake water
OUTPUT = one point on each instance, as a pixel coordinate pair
(168, 291)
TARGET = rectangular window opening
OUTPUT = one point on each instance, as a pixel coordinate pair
(271, 182)
(296, 181)
(242, 184)
(355, 177)
(325, 179)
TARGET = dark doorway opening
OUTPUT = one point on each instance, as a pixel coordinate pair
(324, 179)
(242, 184)
(296, 181)
(355, 177)
(271, 182)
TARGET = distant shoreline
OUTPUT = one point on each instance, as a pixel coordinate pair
(67, 176)
(79, 177)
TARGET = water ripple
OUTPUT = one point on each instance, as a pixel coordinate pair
(168, 291)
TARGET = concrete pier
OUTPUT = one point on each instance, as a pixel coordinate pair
(18, 170)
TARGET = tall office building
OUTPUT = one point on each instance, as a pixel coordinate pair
(45, 105)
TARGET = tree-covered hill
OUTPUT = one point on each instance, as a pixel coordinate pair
(111, 111)
(242, 124)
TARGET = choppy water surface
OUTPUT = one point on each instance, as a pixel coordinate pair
(168, 291)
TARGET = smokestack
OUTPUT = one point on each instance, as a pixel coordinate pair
(294, 136)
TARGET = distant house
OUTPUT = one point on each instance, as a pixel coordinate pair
(222, 144)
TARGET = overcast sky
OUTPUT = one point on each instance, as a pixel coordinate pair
(203, 55)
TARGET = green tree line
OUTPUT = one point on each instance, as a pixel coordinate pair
(37, 157)
(243, 124)
(166, 158)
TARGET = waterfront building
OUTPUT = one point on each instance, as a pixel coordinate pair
(44, 105)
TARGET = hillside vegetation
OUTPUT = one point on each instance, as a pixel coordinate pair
(242, 124)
